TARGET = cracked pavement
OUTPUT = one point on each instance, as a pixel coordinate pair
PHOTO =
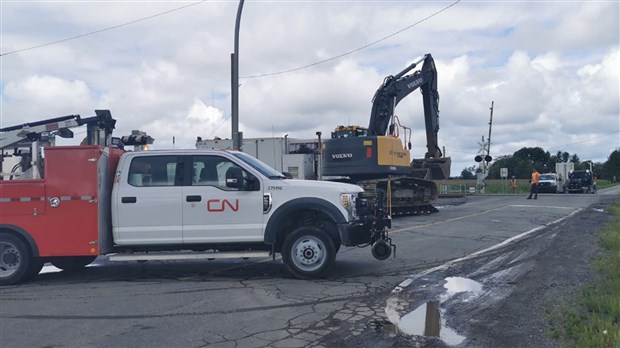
(255, 303)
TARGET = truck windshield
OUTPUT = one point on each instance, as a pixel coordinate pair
(580, 175)
(547, 177)
(259, 166)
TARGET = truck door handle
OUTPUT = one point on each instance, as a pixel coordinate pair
(128, 200)
(193, 198)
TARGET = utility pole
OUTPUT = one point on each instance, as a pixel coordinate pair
(485, 146)
(234, 57)
(490, 125)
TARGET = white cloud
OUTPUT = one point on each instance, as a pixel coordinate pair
(53, 92)
(200, 119)
(552, 69)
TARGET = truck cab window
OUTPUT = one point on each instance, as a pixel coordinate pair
(154, 171)
(211, 171)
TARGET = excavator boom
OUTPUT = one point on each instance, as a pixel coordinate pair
(396, 88)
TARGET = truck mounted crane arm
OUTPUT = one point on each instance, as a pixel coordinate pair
(395, 88)
(32, 131)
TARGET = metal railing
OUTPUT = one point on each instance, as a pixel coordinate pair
(456, 189)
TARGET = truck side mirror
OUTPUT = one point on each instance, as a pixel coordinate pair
(234, 177)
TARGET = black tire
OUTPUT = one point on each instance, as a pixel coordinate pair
(72, 263)
(15, 260)
(381, 250)
(337, 246)
(35, 267)
(308, 252)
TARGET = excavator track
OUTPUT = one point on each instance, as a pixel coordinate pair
(403, 195)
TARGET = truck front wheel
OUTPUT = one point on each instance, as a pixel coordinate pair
(15, 259)
(308, 252)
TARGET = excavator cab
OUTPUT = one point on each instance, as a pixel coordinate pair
(349, 131)
(363, 157)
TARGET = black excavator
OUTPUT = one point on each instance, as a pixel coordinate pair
(378, 160)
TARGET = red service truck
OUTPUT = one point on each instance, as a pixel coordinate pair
(100, 200)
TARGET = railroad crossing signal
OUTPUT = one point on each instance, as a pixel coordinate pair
(486, 158)
(483, 146)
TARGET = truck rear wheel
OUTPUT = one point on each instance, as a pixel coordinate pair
(308, 252)
(72, 263)
(15, 260)
(35, 267)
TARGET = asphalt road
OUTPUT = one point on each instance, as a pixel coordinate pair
(255, 303)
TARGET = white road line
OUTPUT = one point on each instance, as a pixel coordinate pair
(476, 214)
(444, 221)
(540, 206)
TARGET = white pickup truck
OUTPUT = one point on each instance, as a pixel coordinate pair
(177, 204)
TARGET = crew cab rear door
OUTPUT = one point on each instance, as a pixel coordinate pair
(147, 202)
(214, 212)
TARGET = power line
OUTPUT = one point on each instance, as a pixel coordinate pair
(354, 50)
(243, 77)
(218, 127)
(585, 141)
(102, 30)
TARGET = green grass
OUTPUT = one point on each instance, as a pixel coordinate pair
(601, 184)
(593, 318)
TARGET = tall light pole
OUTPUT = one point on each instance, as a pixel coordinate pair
(234, 57)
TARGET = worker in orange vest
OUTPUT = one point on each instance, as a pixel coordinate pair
(513, 185)
(534, 184)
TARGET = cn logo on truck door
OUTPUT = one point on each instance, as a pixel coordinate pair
(217, 212)
(220, 205)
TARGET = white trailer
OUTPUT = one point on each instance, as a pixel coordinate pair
(562, 170)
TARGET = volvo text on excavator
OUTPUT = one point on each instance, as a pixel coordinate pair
(376, 158)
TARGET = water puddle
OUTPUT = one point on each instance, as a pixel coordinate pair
(455, 285)
(427, 320)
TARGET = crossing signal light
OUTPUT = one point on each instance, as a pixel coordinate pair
(486, 158)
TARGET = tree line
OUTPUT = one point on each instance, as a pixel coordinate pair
(521, 163)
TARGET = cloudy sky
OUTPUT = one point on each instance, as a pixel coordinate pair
(552, 68)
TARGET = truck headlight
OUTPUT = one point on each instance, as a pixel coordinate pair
(348, 201)
(267, 202)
